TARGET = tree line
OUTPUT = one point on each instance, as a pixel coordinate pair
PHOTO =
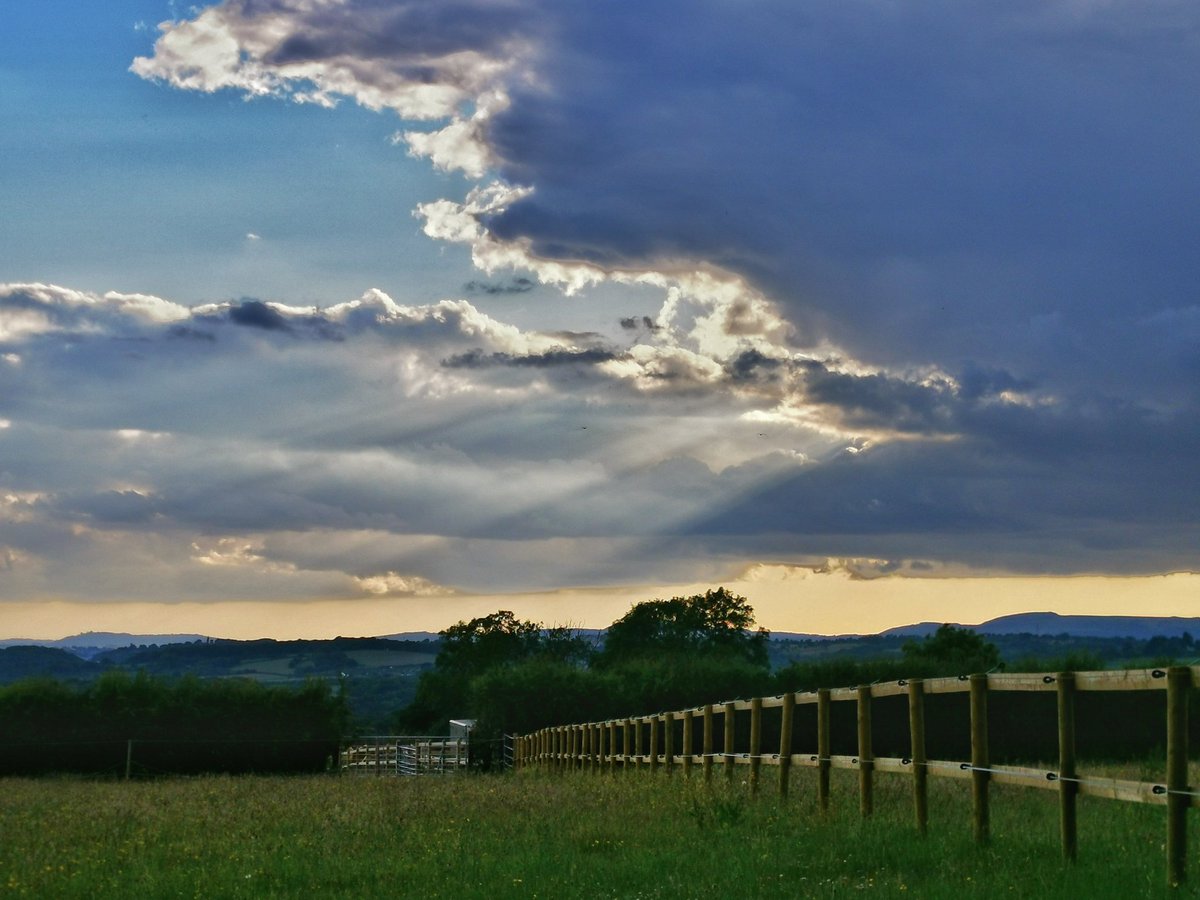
(513, 675)
(183, 725)
(516, 676)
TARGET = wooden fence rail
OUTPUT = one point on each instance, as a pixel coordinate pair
(603, 746)
(404, 755)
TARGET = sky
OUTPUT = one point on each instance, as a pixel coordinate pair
(329, 317)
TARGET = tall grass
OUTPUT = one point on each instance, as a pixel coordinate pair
(627, 835)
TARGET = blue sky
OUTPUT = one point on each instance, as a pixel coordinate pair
(412, 302)
(122, 185)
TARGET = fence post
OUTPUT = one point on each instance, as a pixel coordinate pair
(626, 737)
(707, 745)
(916, 731)
(612, 746)
(669, 742)
(730, 712)
(638, 744)
(653, 744)
(785, 742)
(1068, 788)
(1179, 683)
(823, 760)
(688, 740)
(866, 755)
(980, 758)
(755, 743)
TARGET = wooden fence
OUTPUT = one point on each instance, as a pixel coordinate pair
(649, 742)
(405, 755)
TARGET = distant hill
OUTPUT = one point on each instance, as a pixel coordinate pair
(92, 643)
(1050, 624)
(39, 662)
(411, 636)
(379, 675)
(277, 661)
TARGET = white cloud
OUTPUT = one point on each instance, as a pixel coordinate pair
(369, 446)
(385, 56)
(30, 309)
(393, 584)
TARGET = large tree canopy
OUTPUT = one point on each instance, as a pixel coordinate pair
(472, 647)
(716, 622)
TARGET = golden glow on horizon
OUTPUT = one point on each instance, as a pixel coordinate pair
(784, 598)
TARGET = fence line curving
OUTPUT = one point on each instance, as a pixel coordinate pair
(604, 746)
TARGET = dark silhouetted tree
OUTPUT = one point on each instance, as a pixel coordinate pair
(490, 647)
(716, 623)
(471, 648)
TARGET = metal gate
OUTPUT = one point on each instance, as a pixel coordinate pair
(405, 755)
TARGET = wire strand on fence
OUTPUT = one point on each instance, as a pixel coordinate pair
(1048, 775)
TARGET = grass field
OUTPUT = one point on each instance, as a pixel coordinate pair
(535, 835)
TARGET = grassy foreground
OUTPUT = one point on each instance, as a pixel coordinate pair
(533, 835)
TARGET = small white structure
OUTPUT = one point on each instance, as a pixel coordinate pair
(460, 729)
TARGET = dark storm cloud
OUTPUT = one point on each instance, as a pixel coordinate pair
(875, 401)
(633, 323)
(951, 184)
(928, 183)
(950, 260)
(477, 359)
(752, 365)
(513, 286)
(256, 314)
(392, 32)
(1124, 482)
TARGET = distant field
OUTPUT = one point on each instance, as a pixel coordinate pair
(532, 835)
(388, 658)
(286, 667)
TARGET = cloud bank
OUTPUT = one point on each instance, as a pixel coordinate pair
(928, 281)
(368, 448)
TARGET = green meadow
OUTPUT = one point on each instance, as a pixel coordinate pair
(544, 835)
